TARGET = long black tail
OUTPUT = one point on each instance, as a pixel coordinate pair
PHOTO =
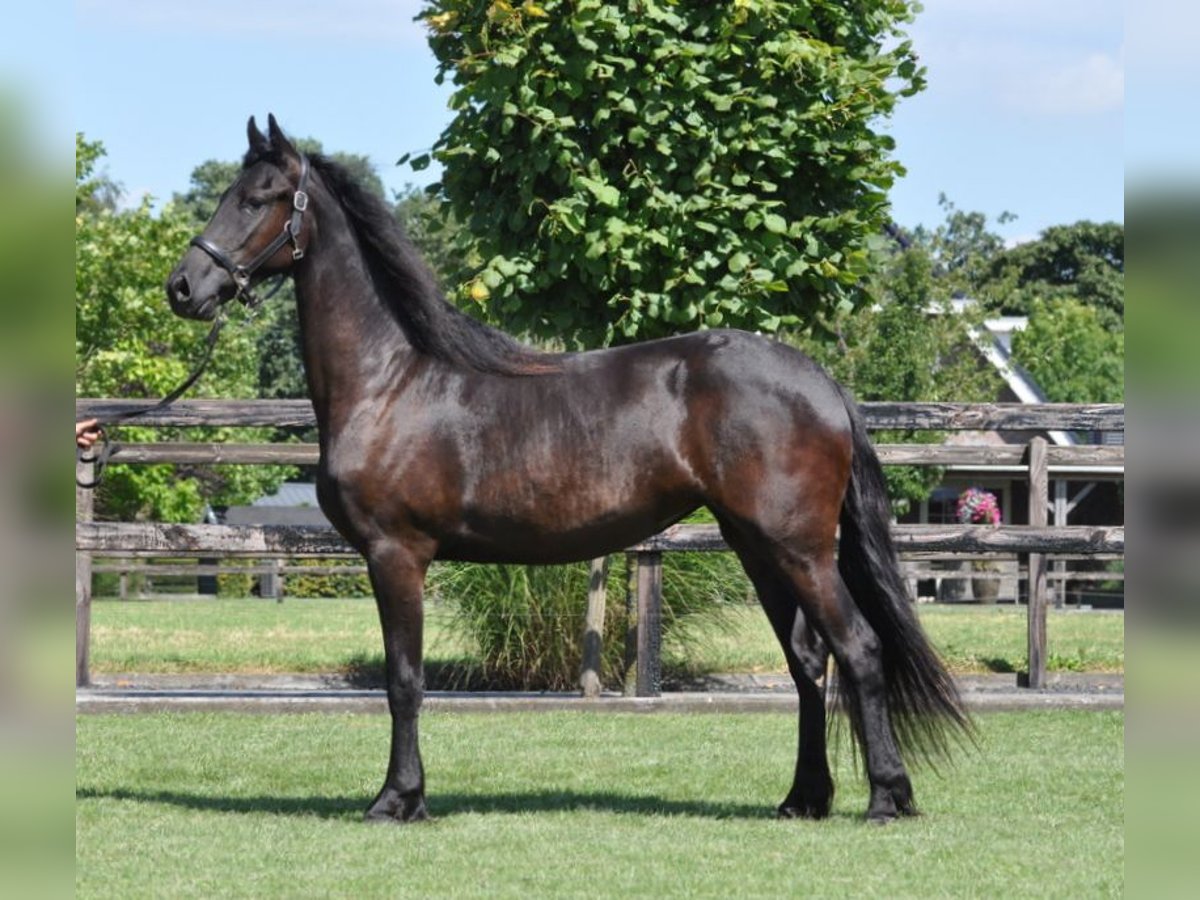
(923, 701)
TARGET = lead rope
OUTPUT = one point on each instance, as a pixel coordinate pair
(108, 446)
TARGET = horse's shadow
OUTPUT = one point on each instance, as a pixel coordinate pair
(441, 805)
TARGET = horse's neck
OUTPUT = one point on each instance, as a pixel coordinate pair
(350, 342)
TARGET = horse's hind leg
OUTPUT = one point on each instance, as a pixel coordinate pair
(828, 607)
(397, 577)
(811, 795)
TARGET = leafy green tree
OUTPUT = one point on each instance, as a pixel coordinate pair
(637, 168)
(1084, 261)
(1072, 353)
(93, 191)
(1070, 282)
(961, 249)
(129, 344)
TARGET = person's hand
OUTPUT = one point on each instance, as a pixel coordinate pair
(87, 433)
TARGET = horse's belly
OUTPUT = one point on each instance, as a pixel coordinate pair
(552, 537)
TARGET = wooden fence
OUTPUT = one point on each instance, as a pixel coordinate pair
(1036, 460)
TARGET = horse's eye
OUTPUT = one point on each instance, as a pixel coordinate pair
(252, 204)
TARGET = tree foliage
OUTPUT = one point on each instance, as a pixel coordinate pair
(637, 168)
(1069, 349)
(94, 191)
(129, 344)
(1069, 281)
(961, 249)
(1084, 262)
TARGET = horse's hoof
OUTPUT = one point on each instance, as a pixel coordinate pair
(804, 808)
(888, 812)
(889, 803)
(395, 808)
(802, 812)
(809, 798)
(385, 818)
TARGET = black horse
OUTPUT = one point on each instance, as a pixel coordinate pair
(442, 438)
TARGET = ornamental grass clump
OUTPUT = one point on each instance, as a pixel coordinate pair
(525, 623)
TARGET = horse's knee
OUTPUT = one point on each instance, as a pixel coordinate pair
(405, 696)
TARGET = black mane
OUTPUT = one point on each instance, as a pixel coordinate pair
(409, 291)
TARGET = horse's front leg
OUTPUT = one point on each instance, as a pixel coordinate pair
(398, 577)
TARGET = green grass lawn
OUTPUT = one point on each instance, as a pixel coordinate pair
(582, 804)
(256, 636)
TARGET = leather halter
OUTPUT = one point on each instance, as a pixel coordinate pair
(243, 272)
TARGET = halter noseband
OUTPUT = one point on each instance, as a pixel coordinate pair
(242, 274)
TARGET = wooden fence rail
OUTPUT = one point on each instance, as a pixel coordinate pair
(1009, 456)
(900, 416)
(1031, 542)
(271, 541)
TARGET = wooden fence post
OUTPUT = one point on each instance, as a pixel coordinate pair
(593, 628)
(629, 675)
(85, 473)
(1039, 497)
(649, 624)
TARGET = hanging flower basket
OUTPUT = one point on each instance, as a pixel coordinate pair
(979, 507)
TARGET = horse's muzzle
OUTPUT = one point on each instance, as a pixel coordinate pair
(195, 301)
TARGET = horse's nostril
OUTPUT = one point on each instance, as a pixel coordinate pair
(179, 285)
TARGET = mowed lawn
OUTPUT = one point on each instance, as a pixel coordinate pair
(301, 635)
(582, 804)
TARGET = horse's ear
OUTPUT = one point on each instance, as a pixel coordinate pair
(278, 140)
(258, 141)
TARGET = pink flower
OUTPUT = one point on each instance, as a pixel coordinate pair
(978, 507)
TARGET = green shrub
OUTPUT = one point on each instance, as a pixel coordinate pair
(351, 584)
(235, 584)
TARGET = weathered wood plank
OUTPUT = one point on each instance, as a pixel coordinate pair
(1066, 575)
(197, 569)
(267, 541)
(1010, 538)
(649, 624)
(917, 416)
(156, 539)
(182, 413)
(218, 454)
(629, 672)
(593, 628)
(889, 454)
(1039, 498)
(85, 473)
(1010, 455)
(995, 416)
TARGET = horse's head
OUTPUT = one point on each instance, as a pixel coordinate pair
(257, 230)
